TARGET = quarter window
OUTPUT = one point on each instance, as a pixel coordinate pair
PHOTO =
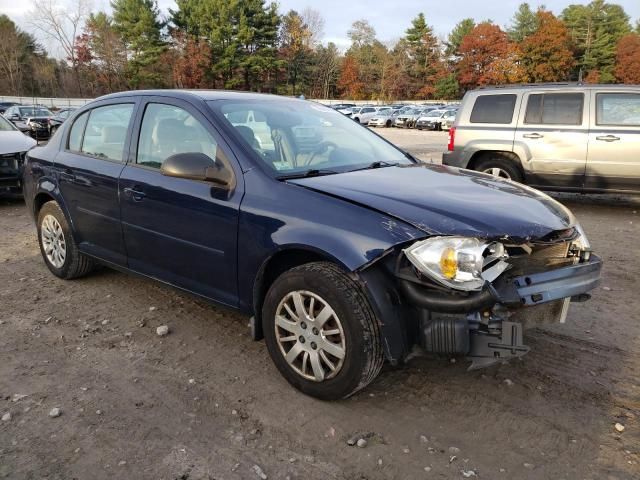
(618, 109)
(168, 130)
(106, 131)
(493, 109)
(554, 109)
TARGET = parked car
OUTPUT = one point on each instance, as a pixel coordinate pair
(408, 118)
(434, 119)
(30, 119)
(344, 254)
(58, 119)
(13, 146)
(449, 120)
(5, 105)
(570, 137)
(383, 118)
(364, 114)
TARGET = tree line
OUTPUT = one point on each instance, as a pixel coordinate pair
(250, 45)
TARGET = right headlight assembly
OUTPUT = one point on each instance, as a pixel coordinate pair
(462, 263)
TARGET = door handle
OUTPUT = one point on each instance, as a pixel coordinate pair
(135, 193)
(608, 138)
(532, 135)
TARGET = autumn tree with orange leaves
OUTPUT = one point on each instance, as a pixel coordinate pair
(349, 83)
(193, 57)
(628, 59)
(546, 54)
(488, 57)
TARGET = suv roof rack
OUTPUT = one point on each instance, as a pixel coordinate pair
(553, 84)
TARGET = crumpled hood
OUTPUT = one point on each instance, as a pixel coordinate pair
(14, 141)
(442, 200)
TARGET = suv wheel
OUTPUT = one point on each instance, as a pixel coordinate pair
(321, 332)
(500, 166)
(59, 250)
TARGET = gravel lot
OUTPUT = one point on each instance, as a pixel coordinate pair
(205, 402)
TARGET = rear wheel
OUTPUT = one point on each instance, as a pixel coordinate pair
(321, 331)
(59, 250)
(500, 166)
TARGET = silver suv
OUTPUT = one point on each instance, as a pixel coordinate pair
(570, 137)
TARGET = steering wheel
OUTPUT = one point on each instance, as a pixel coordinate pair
(320, 148)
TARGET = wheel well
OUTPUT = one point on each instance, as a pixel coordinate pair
(485, 154)
(276, 266)
(39, 201)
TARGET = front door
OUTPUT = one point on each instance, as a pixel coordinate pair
(88, 168)
(552, 132)
(183, 232)
(614, 141)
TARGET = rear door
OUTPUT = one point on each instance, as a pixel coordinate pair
(613, 161)
(183, 232)
(88, 168)
(551, 137)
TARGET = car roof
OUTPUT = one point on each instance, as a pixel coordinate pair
(201, 94)
(556, 85)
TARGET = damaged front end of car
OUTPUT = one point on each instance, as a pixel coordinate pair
(474, 297)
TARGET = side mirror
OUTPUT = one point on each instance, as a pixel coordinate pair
(197, 166)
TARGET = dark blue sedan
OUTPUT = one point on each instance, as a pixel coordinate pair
(343, 249)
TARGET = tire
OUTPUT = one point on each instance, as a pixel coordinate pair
(353, 317)
(388, 124)
(497, 162)
(74, 264)
(357, 119)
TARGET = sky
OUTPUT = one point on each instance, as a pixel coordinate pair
(390, 18)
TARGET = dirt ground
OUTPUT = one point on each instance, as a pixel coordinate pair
(205, 402)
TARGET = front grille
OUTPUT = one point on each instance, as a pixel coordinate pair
(10, 164)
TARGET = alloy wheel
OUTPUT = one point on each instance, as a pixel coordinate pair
(53, 241)
(497, 172)
(310, 335)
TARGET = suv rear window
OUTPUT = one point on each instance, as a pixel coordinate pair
(493, 109)
(555, 109)
(618, 109)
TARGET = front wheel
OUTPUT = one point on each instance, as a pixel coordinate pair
(58, 248)
(321, 331)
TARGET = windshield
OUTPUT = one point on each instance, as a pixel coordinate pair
(34, 112)
(5, 125)
(293, 137)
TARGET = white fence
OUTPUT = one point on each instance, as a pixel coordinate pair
(78, 102)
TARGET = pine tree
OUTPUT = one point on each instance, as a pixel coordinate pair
(524, 23)
(595, 30)
(426, 63)
(462, 29)
(139, 26)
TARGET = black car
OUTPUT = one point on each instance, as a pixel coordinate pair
(32, 120)
(343, 249)
(59, 118)
(5, 105)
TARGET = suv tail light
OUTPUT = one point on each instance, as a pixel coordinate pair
(452, 139)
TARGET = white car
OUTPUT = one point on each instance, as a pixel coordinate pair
(364, 114)
(435, 119)
(13, 146)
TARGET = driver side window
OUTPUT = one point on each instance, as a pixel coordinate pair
(168, 130)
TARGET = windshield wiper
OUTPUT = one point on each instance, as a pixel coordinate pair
(312, 172)
(376, 164)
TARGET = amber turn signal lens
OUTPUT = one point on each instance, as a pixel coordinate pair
(449, 263)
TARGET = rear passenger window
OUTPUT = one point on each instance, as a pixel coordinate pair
(554, 109)
(618, 109)
(75, 137)
(106, 131)
(493, 109)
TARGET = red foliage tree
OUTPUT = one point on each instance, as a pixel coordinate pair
(193, 59)
(349, 83)
(546, 53)
(628, 59)
(487, 56)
